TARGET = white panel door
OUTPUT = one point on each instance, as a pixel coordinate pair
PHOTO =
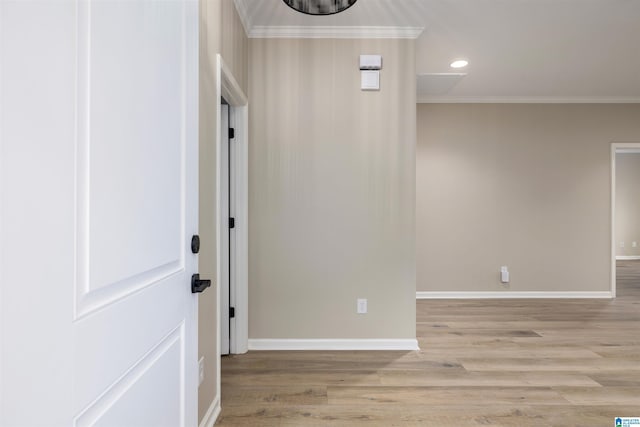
(98, 180)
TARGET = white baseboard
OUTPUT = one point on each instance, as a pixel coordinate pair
(211, 416)
(333, 344)
(627, 257)
(510, 295)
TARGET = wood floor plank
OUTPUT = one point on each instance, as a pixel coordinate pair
(274, 395)
(297, 378)
(601, 395)
(519, 324)
(506, 350)
(403, 395)
(485, 379)
(550, 364)
(260, 361)
(477, 332)
(630, 352)
(617, 379)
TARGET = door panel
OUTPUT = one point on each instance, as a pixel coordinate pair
(133, 85)
(129, 403)
(99, 203)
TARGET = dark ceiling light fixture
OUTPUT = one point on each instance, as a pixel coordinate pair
(320, 7)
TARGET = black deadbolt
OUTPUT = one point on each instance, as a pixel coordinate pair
(195, 244)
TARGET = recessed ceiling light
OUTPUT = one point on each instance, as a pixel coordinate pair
(460, 63)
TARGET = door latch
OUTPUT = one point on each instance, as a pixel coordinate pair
(199, 285)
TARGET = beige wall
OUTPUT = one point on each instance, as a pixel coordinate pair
(527, 186)
(235, 44)
(220, 32)
(627, 204)
(331, 190)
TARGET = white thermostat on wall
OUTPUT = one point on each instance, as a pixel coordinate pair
(370, 62)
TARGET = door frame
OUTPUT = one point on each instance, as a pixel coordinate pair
(617, 148)
(229, 89)
(224, 183)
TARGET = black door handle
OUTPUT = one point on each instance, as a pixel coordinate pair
(198, 285)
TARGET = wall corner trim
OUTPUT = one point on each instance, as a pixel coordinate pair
(334, 344)
(511, 295)
(211, 416)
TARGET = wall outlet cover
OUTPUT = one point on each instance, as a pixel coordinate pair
(201, 370)
(362, 306)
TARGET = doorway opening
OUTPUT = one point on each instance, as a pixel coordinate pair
(625, 206)
(227, 200)
(232, 214)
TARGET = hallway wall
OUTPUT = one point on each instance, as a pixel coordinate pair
(521, 185)
(331, 190)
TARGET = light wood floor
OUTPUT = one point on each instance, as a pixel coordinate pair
(483, 362)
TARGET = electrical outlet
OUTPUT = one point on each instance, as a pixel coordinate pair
(622, 244)
(504, 274)
(362, 306)
(201, 370)
(634, 244)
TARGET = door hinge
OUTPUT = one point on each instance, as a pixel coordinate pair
(232, 133)
(232, 222)
(232, 312)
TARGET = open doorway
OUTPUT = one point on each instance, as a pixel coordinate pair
(625, 207)
(232, 214)
(227, 234)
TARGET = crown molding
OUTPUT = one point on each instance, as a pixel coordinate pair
(334, 32)
(528, 100)
(321, 32)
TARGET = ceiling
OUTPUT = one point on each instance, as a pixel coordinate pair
(518, 50)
